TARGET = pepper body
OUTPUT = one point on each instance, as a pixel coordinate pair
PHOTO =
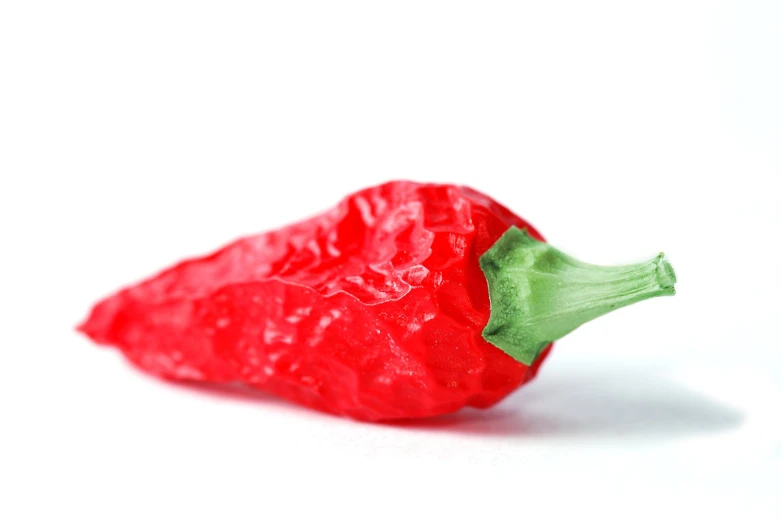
(373, 309)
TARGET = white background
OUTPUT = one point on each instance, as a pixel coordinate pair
(133, 134)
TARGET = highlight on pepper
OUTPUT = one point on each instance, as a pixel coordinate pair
(405, 300)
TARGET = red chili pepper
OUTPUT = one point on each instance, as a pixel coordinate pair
(377, 309)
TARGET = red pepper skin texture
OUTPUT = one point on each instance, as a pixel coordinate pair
(373, 309)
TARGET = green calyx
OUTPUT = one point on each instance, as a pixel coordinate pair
(539, 294)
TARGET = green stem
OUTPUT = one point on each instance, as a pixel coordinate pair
(539, 294)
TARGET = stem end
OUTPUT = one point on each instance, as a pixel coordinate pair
(539, 294)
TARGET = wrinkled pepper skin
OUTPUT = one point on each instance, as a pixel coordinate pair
(373, 309)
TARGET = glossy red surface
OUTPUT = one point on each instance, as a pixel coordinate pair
(373, 309)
